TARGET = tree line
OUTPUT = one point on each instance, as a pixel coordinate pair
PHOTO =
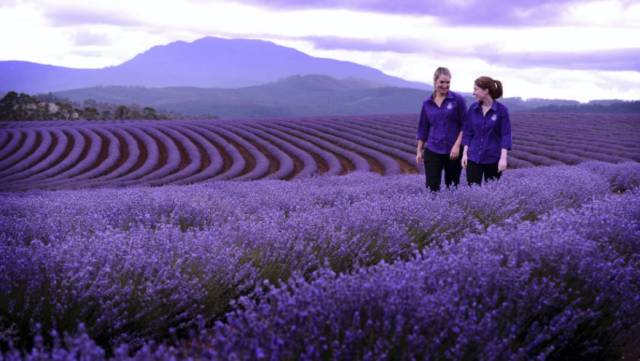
(21, 106)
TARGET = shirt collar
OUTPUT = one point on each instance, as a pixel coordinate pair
(450, 96)
(494, 106)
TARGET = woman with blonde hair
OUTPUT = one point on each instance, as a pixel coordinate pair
(440, 129)
(487, 133)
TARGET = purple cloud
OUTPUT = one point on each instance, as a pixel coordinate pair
(486, 12)
(394, 45)
(615, 59)
(67, 16)
(89, 53)
(87, 38)
(8, 3)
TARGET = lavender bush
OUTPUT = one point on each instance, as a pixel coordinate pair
(544, 290)
(140, 264)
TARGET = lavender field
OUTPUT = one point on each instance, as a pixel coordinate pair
(64, 155)
(359, 264)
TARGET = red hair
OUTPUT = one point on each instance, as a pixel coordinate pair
(494, 86)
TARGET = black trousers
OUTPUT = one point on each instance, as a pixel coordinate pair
(435, 163)
(475, 172)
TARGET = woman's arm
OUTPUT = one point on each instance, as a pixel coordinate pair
(464, 159)
(419, 157)
(502, 163)
(466, 135)
(505, 141)
(455, 151)
(505, 131)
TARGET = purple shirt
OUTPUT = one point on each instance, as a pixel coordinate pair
(440, 126)
(486, 135)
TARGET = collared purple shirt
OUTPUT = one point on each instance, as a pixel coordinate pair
(440, 126)
(486, 135)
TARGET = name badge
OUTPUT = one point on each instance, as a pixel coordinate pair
(449, 106)
(494, 117)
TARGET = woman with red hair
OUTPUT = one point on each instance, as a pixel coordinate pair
(487, 133)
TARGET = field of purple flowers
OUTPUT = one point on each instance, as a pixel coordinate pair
(543, 264)
(72, 154)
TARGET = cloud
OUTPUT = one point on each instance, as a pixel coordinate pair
(89, 38)
(8, 3)
(612, 59)
(339, 43)
(77, 16)
(615, 59)
(454, 12)
(394, 45)
(88, 53)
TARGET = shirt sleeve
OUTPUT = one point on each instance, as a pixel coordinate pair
(467, 130)
(505, 130)
(423, 126)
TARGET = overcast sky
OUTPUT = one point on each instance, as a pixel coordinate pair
(538, 48)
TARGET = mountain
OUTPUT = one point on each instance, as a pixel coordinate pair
(293, 96)
(26, 77)
(208, 63)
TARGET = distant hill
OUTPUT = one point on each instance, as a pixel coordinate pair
(207, 63)
(294, 96)
(308, 95)
(572, 106)
(594, 107)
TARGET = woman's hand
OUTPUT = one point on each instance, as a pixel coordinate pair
(464, 159)
(419, 150)
(455, 152)
(502, 164)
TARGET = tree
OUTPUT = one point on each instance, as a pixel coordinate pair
(90, 113)
(65, 112)
(122, 112)
(18, 106)
(7, 104)
(149, 113)
(135, 112)
(21, 106)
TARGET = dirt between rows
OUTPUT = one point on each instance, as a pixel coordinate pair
(142, 157)
(36, 145)
(123, 155)
(47, 153)
(250, 160)
(298, 164)
(226, 158)
(205, 161)
(23, 138)
(71, 141)
(185, 160)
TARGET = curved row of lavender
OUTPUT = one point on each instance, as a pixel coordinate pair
(542, 264)
(68, 155)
